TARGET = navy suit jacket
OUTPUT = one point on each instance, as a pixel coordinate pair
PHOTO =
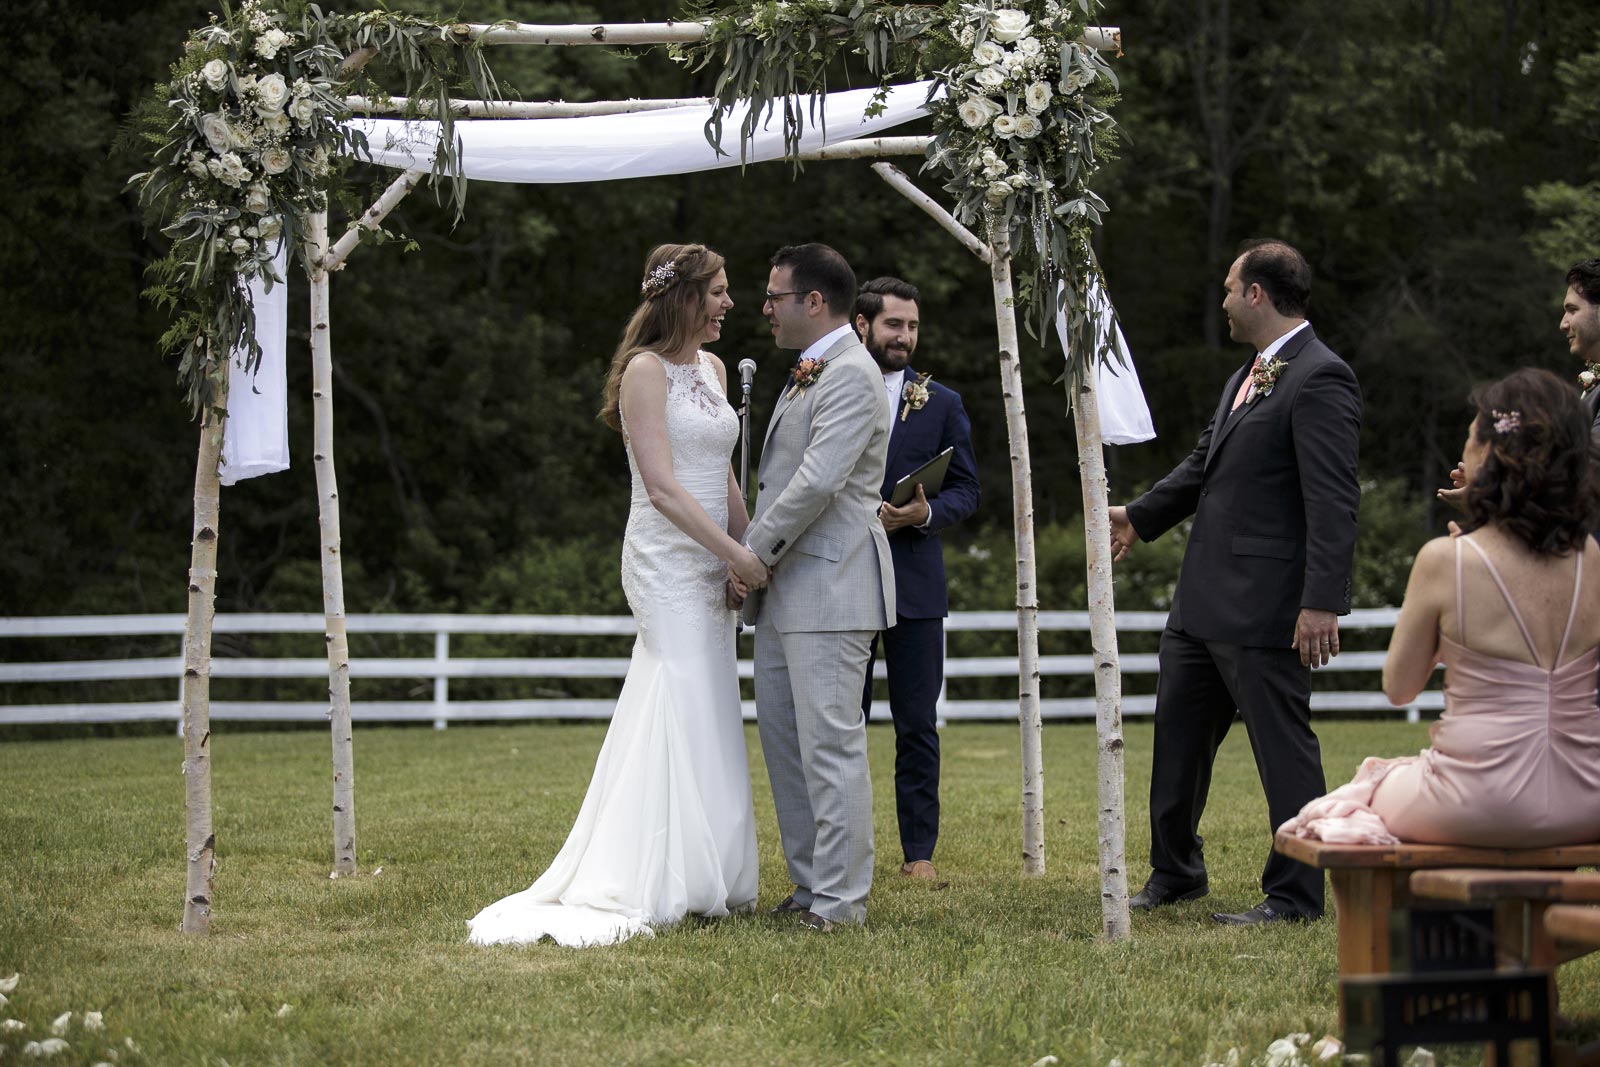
(1274, 495)
(918, 553)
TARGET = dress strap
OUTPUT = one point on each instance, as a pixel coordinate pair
(1461, 607)
(1572, 613)
(1527, 638)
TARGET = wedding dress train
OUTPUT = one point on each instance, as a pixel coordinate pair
(666, 828)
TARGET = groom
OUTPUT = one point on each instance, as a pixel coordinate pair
(831, 588)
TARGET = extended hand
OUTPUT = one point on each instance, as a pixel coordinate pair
(747, 572)
(1316, 637)
(1456, 495)
(1123, 535)
(915, 512)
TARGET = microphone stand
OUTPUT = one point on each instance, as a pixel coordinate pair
(744, 442)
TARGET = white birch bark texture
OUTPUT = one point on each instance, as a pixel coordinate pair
(344, 817)
(334, 258)
(1027, 585)
(199, 840)
(1112, 828)
(1105, 38)
(900, 183)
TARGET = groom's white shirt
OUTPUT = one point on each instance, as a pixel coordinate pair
(825, 342)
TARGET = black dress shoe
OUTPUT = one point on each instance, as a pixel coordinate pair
(1155, 895)
(1263, 912)
(788, 906)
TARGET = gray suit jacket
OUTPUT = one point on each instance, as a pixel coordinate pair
(816, 521)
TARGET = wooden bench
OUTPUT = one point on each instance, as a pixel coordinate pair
(1374, 886)
(1574, 924)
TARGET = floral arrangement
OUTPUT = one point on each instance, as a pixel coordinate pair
(1264, 375)
(806, 373)
(915, 395)
(1019, 117)
(1589, 376)
(248, 138)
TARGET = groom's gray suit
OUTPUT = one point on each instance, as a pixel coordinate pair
(832, 588)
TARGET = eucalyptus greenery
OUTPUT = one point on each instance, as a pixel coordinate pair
(1020, 119)
(249, 136)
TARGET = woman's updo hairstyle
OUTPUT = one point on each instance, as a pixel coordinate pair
(1540, 478)
(671, 312)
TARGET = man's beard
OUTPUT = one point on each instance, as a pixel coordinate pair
(888, 360)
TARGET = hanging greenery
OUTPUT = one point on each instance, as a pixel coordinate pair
(249, 136)
(1020, 120)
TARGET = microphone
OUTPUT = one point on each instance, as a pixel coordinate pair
(747, 375)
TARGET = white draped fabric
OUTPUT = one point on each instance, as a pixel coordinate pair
(1124, 414)
(599, 148)
(255, 439)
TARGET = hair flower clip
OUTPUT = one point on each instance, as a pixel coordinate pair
(657, 280)
(1507, 422)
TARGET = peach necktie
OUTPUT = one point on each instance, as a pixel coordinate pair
(1244, 386)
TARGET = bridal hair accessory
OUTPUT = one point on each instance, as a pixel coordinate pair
(1589, 376)
(1263, 376)
(1507, 422)
(916, 395)
(657, 281)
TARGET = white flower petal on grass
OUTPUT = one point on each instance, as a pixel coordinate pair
(12, 1026)
(1046, 1061)
(59, 1024)
(93, 1020)
(1327, 1048)
(9, 985)
(128, 1041)
(102, 1063)
(1421, 1058)
(380, 869)
(53, 1045)
(283, 1012)
(33, 1048)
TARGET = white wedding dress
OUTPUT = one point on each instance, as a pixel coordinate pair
(666, 828)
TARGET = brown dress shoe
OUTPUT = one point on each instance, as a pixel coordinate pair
(810, 920)
(920, 869)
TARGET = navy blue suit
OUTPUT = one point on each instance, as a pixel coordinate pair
(913, 648)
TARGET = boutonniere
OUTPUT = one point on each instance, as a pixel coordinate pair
(1263, 376)
(915, 395)
(806, 373)
(1589, 376)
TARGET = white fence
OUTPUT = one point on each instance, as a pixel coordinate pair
(441, 668)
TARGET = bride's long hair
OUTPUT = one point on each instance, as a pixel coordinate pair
(670, 314)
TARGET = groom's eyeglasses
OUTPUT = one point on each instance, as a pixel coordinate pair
(791, 292)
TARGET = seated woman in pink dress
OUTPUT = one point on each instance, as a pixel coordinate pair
(1512, 609)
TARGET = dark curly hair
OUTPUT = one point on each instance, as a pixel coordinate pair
(1540, 479)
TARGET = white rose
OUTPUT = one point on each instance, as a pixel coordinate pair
(276, 124)
(1018, 181)
(978, 111)
(319, 161)
(1030, 46)
(988, 54)
(990, 78)
(1006, 126)
(268, 43)
(276, 160)
(997, 192)
(1075, 80)
(1029, 125)
(1015, 61)
(1038, 97)
(239, 247)
(215, 74)
(231, 231)
(1009, 24)
(273, 92)
(197, 165)
(247, 84)
(256, 199)
(214, 128)
(303, 111)
(269, 227)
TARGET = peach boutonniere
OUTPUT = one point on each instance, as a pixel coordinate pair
(915, 395)
(806, 373)
(1263, 376)
(1589, 376)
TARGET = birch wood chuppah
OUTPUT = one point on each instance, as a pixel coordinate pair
(878, 30)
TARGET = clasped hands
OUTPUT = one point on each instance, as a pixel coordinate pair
(746, 573)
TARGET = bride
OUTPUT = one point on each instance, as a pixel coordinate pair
(666, 828)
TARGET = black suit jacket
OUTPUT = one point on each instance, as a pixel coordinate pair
(1274, 495)
(1591, 401)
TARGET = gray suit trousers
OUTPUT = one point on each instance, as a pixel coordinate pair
(814, 738)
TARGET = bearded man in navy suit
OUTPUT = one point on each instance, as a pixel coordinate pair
(927, 419)
(1272, 487)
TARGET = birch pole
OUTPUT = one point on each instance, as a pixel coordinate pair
(200, 841)
(344, 817)
(1022, 517)
(1112, 829)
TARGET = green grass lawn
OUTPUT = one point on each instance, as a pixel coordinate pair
(993, 969)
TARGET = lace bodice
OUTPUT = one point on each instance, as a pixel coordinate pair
(662, 567)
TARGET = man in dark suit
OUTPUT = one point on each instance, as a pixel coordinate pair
(927, 419)
(1580, 321)
(1273, 491)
